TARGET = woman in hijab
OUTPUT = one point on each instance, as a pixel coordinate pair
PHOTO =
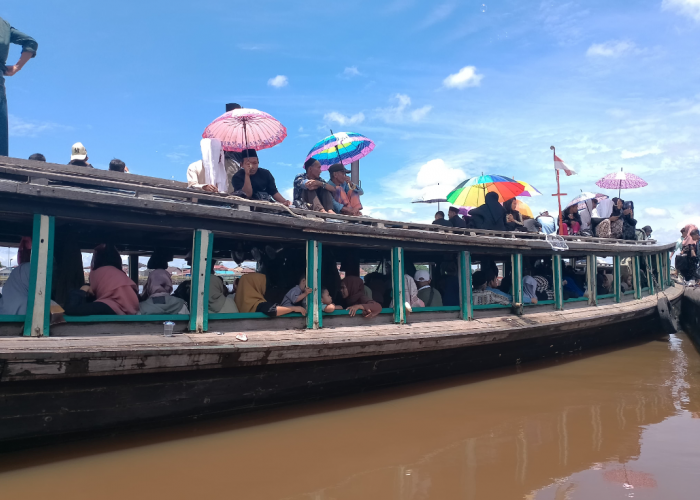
(514, 220)
(352, 290)
(250, 297)
(156, 298)
(219, 299)
(687, 261)
(490, 215)
(110, 291)
(572, 219)
(611, 226)
(15, 291)
(412, 291)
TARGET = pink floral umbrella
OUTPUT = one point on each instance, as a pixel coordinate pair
(621, 180)
(246, 128)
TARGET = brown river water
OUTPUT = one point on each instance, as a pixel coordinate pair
(622, 423)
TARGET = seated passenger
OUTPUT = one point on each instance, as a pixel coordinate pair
(255, 183)
(455, 219)
(611, 224)
(450, 284)
(529, 289)
(687, 261)
(602, 283)
(156, 298)
(440, 219)
(491, 215)
(411, 293)
(209, 173)
(311, 192)
(547, 222)
(572, 219)
(297, 295)
(482, 296)
(110, 290)
(15, 291)
(220, 302)
(353, 293)
(347, 195)
(429, 295)
(514, 220)
(627, 284)
(250, 297)
(327, 301)
(569, 285)
(586, 215)
(78, 156)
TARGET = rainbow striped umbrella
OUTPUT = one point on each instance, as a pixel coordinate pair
(530, 190)
(472, 192)
(343, 147)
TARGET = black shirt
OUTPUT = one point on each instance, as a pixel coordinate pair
(261, 181)
(457, 221)
(442, 222)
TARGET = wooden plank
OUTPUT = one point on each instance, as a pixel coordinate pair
(199, 293)
(617, 279)
(314, 315)
(558, 287)
(517, 263)
(399, 289)
(465, 285)
(592, 279)
(39, 296)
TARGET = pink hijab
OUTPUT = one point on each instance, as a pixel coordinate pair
(158, 284)
(688, 240)
(114, 288)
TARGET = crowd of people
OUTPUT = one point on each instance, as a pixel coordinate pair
(605, 218)
(688, 253)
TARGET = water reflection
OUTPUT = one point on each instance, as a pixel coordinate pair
(598, 426)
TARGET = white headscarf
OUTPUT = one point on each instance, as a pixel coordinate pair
(604, 208)
(412, 292)
(214, 164)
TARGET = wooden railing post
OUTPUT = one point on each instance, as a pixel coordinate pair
(465, 286)
(592, 279)
(650, 273)
(617, 279)
(38, 317)
(397, 270)
(668, 269)
(314, 308)
(636, 277)
(517, 262)
(201, 270)
(558, 287)
(134, 268)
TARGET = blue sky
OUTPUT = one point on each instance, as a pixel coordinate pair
(447, 90)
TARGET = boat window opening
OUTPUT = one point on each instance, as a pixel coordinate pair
(436, 279)
(574, 281)
(605, 278)
(492, 283)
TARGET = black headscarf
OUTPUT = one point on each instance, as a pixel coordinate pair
(490, 215)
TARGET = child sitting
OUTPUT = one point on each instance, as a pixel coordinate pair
(297, 295)
(327, 301)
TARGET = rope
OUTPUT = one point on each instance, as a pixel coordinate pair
(276, 205)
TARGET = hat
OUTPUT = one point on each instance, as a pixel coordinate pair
(337, 167)
(231, 106)
(249, 153)
(78, 152)
(422, 276)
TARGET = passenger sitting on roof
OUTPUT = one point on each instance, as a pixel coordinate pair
(572, 219)
(311, 192)
(547, 222)
(514, 220)
(110, 290)
(490, 215)
(13, 301)
(440, 219)
(250, 297)
(347, 195)
(209, 173)
(611, 226)
(79, 156)
(255, 183)
(156, 298)
(455, 219)
(117, 165)
(352, 289)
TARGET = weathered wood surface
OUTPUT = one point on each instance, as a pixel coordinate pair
(27, 359)
(423, 233)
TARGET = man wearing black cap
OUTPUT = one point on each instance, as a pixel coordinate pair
(347, 195)
(310, 191)
(255, 183)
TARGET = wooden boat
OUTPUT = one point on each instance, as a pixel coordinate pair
(101, 372)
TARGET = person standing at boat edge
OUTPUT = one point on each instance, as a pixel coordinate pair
(9, 35)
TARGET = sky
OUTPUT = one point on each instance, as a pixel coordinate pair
(446, 90)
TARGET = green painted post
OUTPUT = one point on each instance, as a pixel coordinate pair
(517, 262)
(465, 286)
(314, 308)
(203, 241)
(636, 277)
(558, 287)
(668, 270)
(38, 317)
(617, 278)
(650, 274)
(397, 270)
(592, 279)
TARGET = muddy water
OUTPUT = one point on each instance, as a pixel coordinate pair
(617, 424)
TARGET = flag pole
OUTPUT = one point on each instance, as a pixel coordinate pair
(558, 195)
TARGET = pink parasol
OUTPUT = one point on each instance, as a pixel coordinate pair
(246, 128)
(621, 180)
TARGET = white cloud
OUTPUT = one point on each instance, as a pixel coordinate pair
(399, 113)
(24, 128)
(638, 154)
(341, 119)
(439, 14)
(465, 77)
(656, 212)
(435, 179)
(690, 8)
(613, 48)
(618, 113)
(177, 156)
(351, 71)
(278, 82)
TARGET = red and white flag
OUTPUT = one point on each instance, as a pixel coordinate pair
(560, 165)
